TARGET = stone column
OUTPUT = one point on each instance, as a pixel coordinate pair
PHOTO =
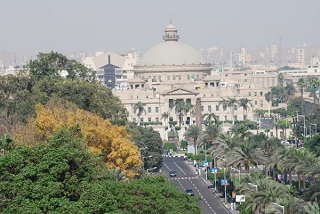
(198, 113)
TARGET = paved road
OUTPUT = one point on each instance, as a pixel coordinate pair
(187, 179)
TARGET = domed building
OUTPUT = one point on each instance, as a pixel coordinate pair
(170, 58)
(172, 72)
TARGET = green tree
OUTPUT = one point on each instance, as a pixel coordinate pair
(313, 144)
(301, 83)
(269, 97)
(210, 118)
(53, 64)
(245, 103)
(290, 90)
(165, 116)
(224, 103)
(193, 133)
(139, 109)
(231, 104)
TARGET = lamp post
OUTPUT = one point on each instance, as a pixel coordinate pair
(225, 182)
(205, 158)
(238, 171)
(256, 186)
(142, 158)
(310, 131)
(280, 206)
(151, 169)
(304, 123)
(146, 158)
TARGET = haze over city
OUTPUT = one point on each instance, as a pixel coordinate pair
(35, 26)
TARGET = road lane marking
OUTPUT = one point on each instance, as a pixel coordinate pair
(166, 166)
(180, 168)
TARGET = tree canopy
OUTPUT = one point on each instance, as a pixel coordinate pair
(61, 176)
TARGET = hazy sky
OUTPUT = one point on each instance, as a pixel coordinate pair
(31, 26)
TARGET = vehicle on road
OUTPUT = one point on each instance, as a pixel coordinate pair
(173, 173)
(190, 192)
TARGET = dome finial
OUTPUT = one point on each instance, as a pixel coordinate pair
(171, 33)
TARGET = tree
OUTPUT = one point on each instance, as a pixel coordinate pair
(269, 97)
(53, 64)
(289, 90)
(193, 133)
(101, 137)
(284, 125)
(314, 87)
(302, 84)
(224, 103)
(312, 208)
(139, 109)
(281, 79)
(210, 118)
(245, 103)
(50, 176)
(313, 144)
(231, 105)
(165, 116)
(181, 108)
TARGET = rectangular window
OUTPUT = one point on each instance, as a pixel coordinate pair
(235, 118)
(157, 109)
(217, 107)
(255, 102)
(201, 108)
(235, 107)
(149, 109)
(149, 119)
(249, 94)
(261, 93)
(141, 119)
(217, 118)
(157, 119)
(255, 94)
(209, 108)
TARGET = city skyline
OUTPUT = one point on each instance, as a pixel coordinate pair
(74, 26)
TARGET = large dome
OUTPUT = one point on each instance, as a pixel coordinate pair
(171, 52)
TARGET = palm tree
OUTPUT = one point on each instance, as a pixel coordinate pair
(180, 108)
(193, 133)
(165, 116)
(231, 104)
(245, 103)
(290, 90)
(302, 84)
(269, 192)
(210, 118)
(281, 79)
(224, 103)
(139, 109)
(246, 154)
(258, 113)
(292, 205)
(211, 135)
(312, 208)
(314, 83)
(269, 97)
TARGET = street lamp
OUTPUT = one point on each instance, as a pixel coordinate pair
(205, 158)
(238, 171)
(225, 182)
(142, 158)
(280, 206)
(304, 123)
(151, 169)
(256, 186)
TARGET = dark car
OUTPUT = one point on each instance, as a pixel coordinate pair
(173, 173)
(190, 192)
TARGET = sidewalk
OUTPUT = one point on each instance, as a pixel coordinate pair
(217, 194)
